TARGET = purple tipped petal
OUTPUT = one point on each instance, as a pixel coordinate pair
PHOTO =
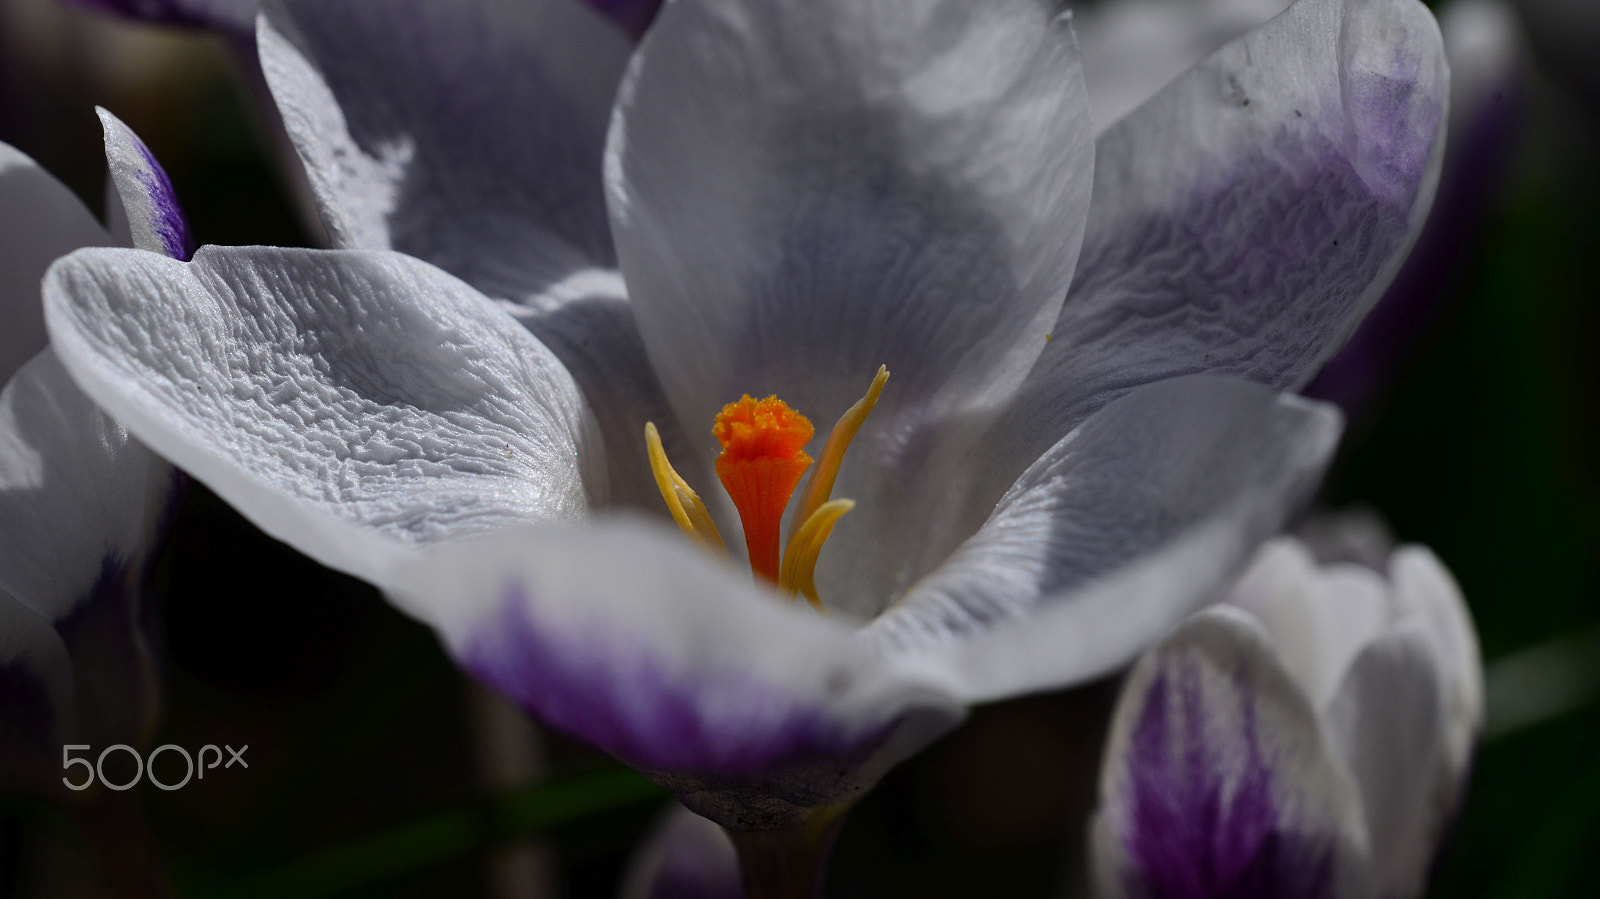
(755, 711)
(1246, 217)
(1481, 40)
(151, 205)
(1218, 782)
(619, 694)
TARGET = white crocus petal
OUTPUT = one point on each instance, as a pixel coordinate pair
(1357, 535)
(801, 192)
(1425, 588)
(1218, 779)
(77, 494)
(1131, 48)
(40, 220)
(1385, 723)
(1246, 217)
(349, 403)
(1320, 618)
(470, 135)
(147, 204)
(467, 133)
(1124, 527)
(756, 711)
(36, 684)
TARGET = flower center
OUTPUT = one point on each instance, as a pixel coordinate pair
(762, 461)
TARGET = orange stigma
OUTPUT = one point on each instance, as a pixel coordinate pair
(763, 459)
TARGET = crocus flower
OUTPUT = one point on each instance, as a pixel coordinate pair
(778, 199)
(1309, 737)
(79, 498)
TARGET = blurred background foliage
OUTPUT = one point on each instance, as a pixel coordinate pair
(363, 779)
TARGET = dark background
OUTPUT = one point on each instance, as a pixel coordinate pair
(362, 775)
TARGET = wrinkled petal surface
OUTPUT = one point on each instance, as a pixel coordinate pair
(1119, 531)
(1218, 781)
(1246, 217)
(348, 403)
(470, 135)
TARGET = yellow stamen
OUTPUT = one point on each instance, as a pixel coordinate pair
(820, 486)
(684, 504)
(762, 461)
(800, 561)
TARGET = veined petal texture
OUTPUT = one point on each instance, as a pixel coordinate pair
(349, 403)
(469, 134)
(1246, 217)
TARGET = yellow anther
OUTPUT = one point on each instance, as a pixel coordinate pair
(800, 562)
(820, 487)
(685, 505)
(763, 459)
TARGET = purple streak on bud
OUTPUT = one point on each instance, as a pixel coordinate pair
(1194, 834)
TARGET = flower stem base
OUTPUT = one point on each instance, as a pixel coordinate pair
(787, 864)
